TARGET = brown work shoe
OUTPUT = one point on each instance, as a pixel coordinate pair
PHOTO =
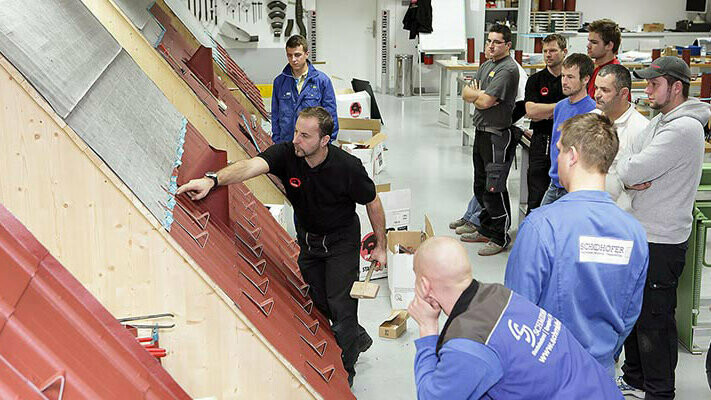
(475, 237)
(466, 228)
(456, 224)
(491, 249)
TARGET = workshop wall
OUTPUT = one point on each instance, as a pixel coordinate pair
(630, 13)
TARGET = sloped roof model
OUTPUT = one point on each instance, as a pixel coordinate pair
(56, 338)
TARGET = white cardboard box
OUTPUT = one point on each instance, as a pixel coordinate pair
(401, 277)
(370, 153)
(278, 211)
(396, 205)
(354, 105)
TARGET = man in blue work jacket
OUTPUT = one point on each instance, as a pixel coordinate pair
(495, 343)
(582, 258)
(300, 85)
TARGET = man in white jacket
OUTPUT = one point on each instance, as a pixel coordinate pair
(664, 165)
(612, 91)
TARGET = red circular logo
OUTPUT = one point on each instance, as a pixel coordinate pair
(356, 109)
(295, 182)
(544, 91)
(367, 245)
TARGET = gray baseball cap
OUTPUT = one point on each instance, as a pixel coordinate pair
(670, 65)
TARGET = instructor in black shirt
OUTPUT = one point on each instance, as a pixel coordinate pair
(543, 91)
(323, 183)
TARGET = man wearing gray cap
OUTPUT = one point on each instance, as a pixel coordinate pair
(663, 167)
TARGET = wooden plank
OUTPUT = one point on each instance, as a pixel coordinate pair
(178, 92)
(92, 223)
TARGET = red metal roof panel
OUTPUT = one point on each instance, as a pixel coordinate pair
(57, 333)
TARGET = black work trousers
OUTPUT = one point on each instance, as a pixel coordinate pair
(651, 348)
(330, 265)
(493, 155)
(539, 164)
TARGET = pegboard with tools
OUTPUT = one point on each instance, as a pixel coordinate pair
(258, 24)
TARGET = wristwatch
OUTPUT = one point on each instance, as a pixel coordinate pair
(213, 176)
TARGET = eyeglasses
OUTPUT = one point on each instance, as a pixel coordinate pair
(495, 42)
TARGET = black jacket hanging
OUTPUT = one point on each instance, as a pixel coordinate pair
(418, 18)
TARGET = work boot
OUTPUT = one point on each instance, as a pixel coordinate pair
(491, 249)
(475, 237)
(629, 390)
(456, 224)
(468, 227)
(364, 342)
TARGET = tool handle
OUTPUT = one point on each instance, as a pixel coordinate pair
(370, 271)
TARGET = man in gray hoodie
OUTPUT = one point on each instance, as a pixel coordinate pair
(663, 165)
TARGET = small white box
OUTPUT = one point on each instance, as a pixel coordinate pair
(278, 211)
(370, 153)
(353, 105)
(401, 277)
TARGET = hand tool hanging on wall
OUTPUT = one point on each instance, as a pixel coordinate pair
(300, 17)
(289, 27)
(277, 15)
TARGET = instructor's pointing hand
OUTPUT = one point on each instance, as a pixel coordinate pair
(196, 188)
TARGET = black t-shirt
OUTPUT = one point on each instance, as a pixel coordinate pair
(323, 197)
(542, 87)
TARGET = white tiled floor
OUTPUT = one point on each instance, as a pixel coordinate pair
(429, 159)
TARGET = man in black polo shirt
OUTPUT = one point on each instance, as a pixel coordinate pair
(543, 91)
(323, 183)
(495, 141)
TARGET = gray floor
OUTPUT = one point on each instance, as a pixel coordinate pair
(429, 159)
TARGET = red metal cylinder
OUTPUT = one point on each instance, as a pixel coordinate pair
(686, 56)
(482, 58)
(569, 5)
(428, 59)
(471, 53)
(518, 56)
(544, 5)
(705, 87)
(656, 53)
(558, 5)
(538, 45)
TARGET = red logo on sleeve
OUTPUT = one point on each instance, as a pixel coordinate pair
(544, 91)
(295, 182)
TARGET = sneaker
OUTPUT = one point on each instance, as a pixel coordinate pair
(456, 224)
(491, 249)
(466, 228)
(475, 237)
(628, 390)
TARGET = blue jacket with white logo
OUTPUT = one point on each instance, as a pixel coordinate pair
(584, 260)
(498, 345)
(287, 102)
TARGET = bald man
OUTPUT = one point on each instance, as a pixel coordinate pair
(495, 343)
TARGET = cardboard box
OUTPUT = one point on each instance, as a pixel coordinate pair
(396, 205)
(394, 326)
(401, 277)
(370, 153)
(355, 105)
(656, 27)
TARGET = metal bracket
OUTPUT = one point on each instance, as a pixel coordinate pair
(308, 306)
(259, 267)
(256, 250)
(59, 377)
(197, 238)
(205, 215)
(265, 307)
(326, 373)
(262, 287)
(254, 233)
(150, 316)
(319, 348)
(303, 288)
(313, 327)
